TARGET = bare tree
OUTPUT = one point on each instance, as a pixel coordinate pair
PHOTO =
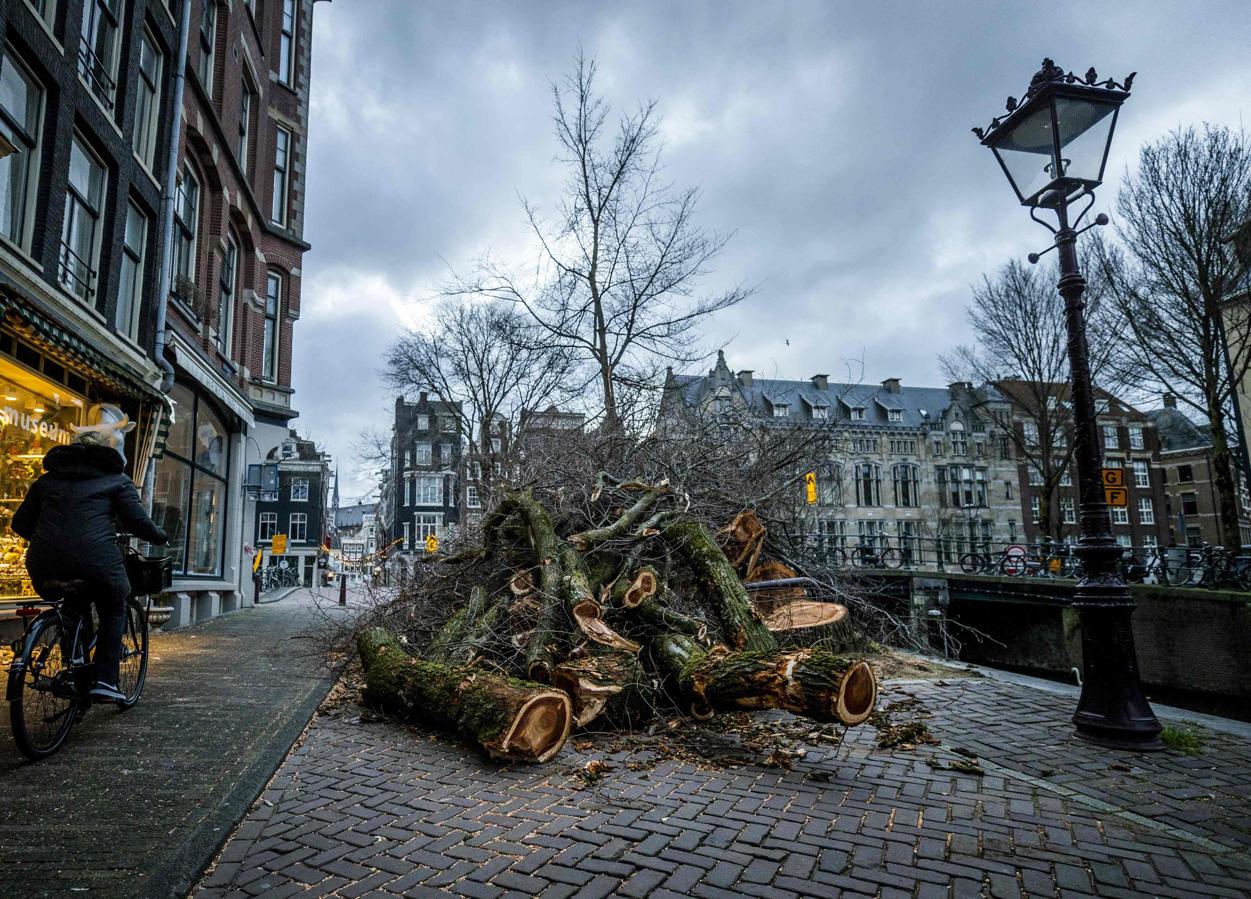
(485, 355)
(1173, 274)
(621, 258)
(1017, 319)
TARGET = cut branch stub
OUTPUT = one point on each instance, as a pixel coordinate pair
(742, 539)
(590, 622)
(720, 586)
(662, 619)
(628, 593)
(507, 718)
(818, 685)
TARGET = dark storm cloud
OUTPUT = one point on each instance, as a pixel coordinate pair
(831, 138)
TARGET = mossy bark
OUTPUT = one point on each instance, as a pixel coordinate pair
(610, 686)
(721, 586)
(508, 718)
(661, 619)
(818, 685)
(543, 649)
(464, 634)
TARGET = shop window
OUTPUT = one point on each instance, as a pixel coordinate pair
(32, 421)
(189, 501)
(21, 109)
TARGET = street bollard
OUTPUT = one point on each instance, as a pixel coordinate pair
(342, 589)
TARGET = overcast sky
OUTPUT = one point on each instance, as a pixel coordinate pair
(832, 138)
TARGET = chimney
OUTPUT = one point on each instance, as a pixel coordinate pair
(1170, 400)
(891, 384)
(744, 377)
(955, 388)
(821, 382)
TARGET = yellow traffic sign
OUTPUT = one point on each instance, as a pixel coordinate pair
(1116, 496)
(810, 486)
(432, 544)
(279, 547)
(1113, 477)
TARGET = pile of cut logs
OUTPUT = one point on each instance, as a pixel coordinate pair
(605, 625)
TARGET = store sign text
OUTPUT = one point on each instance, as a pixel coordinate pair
(24, 421)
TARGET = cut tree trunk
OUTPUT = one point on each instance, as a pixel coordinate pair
(583, 607)
(611, 685)
(804, 622)
(724, 591)
(629, 592)
(509, 719)
(742, 539)
(812, 683)
(544, 647)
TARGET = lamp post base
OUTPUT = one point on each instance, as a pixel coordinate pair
(1112, 710)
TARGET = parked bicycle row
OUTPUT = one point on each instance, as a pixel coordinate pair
(1207, 566)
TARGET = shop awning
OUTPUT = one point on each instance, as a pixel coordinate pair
(70, 349)
(193, 364)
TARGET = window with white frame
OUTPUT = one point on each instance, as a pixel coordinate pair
(1030, 430)
(1066, 476)
(208, 44)
(471, 497)
(907, 482)
(130, 281)
(1146, 510)
(821, 411)
(147, 101)
(1035, 474)
(422, 454)
(1150, 543)
(1142, 474)
(269, 336)
(286, 44)
(80, 230)
(21, 114)
(857, 413)
(298, 530)
(1124, 541)
(427, 523)
(1120, 515)
(429, 490)
(1035, 508)
(447, 424)
(408, 537)
(1135, 437)
(247, 106)
(496, 445)
(226, 295)
(186, 225)
(1110, 438)
(299, 490)
(97, 48)
(1068, 509)
(282, 169)
(895, 415)
(423, 422)
(781, 410)
(268, 526)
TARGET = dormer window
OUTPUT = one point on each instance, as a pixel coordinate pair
(781, 410)
(894, 414)
(857, 413)
(821, 411)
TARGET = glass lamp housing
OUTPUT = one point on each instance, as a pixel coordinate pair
(1055, 144)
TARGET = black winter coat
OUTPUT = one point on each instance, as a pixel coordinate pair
(72, 514)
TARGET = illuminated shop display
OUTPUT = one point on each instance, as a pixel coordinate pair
(35, 415)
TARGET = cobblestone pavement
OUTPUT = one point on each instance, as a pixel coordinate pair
(369, 808)
(138, 802)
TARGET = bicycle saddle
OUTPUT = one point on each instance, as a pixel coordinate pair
(63, 589)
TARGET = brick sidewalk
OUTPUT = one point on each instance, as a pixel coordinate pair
(139, 802)
(377, 809)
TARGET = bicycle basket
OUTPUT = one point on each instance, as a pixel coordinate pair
(148, 574)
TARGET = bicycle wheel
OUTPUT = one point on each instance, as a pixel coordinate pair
(971, 563)
(1013, 566)
(860, 558)
(134, 667)
(891, 557)
(42, 704)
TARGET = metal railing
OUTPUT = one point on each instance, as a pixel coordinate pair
(96, 73)
(76, 274)
(1213, 567)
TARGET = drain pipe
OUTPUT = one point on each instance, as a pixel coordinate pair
(164, 281)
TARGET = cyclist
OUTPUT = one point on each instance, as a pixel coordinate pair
(70, 518)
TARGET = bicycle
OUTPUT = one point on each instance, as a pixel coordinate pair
(1005, 563)
(48, 679)
(871, 557)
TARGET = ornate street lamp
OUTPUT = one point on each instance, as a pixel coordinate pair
(1053, 146)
